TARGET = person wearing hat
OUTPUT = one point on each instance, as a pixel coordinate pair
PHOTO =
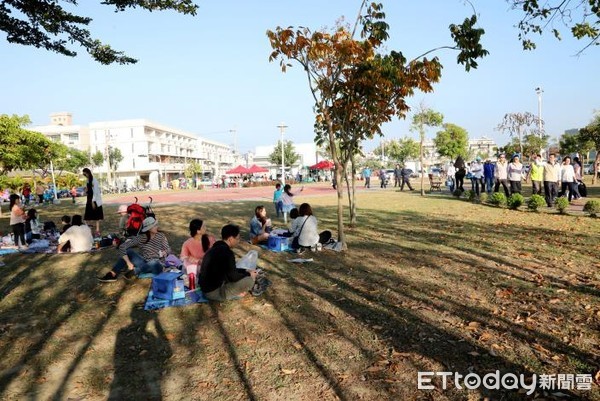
(153, 248)
(515, 174)
(122, 211)
(501, 174)
(476, 175)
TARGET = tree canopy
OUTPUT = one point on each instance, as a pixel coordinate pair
(289, 153)
(49, 24)
(581, 17)
(452, 141)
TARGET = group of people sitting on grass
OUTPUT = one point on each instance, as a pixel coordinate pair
(211, 262)
(303, 229)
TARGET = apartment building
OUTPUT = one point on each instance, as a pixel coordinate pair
(153, 154)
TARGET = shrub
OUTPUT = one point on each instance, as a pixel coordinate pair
(515, 201)
(470, 195)
(457, 192)
(562, 204)
(592, 207)
(483, 197)
(498, 199)
(536, 202)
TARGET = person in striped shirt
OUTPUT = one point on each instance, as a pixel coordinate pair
(153, 248)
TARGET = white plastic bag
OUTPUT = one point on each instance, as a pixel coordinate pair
(248, 261)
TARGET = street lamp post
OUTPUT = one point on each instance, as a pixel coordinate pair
(539, 92)
(282, 128)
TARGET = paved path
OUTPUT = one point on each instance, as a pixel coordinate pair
(264, 194)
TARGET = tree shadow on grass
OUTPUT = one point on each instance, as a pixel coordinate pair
(42, 315)
(141, 356)
(361, 278)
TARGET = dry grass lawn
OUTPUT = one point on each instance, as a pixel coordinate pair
(428, 284)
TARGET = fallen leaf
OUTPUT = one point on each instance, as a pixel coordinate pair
(474, 353)
(375, 368)
(297, 345)
(288, 371)
(554, 300)
(485, 336)
(170, 336)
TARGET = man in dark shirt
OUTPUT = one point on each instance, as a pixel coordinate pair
(219, 278)
(405, 174)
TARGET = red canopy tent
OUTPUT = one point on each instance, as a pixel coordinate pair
(238, 170)
(323, 165)
(256, 169)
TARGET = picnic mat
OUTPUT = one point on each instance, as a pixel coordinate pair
(6, 251)
(191, 297)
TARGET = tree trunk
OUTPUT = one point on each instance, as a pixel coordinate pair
(595, 176)
(353, 204)
(422, 135)
(338, 176)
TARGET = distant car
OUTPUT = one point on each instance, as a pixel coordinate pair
(63, 193)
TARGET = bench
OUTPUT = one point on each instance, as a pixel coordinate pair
(435, 183)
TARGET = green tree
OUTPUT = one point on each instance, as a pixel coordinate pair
(581, 17)
(73, 161)
(399, 150)
(357, 87)
(533, 143)
(519, 125)
(452, 142)
(289, 153)
(50, 25)
(114, 158)
(575, 144)
(591, 133)
(21, 149)
(425, 117)
(192, 170)
(97, 159)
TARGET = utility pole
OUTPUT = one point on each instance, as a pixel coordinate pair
(282, 128)
(539, 92)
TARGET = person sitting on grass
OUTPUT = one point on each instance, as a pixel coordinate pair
(66, 223)
(308, 233)
(33, 226)
(260, 226)
(153, 247)
(219, 278)
(294, 220)
(194, 248)
(122, 211)
(78, 238)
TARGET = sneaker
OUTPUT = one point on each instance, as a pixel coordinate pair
(257, 290)
(129, 274)
(319, 247)
(108, 278)
(300, 250)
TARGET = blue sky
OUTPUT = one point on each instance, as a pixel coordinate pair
(210, 74)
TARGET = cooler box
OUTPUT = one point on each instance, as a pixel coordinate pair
(168, 286)
(278, 244)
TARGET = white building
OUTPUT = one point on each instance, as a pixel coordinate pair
(260, 157)
(153, 153)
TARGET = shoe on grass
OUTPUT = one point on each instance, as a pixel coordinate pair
(129, 274)
(108, 278)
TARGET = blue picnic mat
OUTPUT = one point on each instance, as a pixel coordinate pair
(191, 297)
(6, 251)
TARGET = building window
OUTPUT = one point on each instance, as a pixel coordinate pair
(55, 138)
(73, 137)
